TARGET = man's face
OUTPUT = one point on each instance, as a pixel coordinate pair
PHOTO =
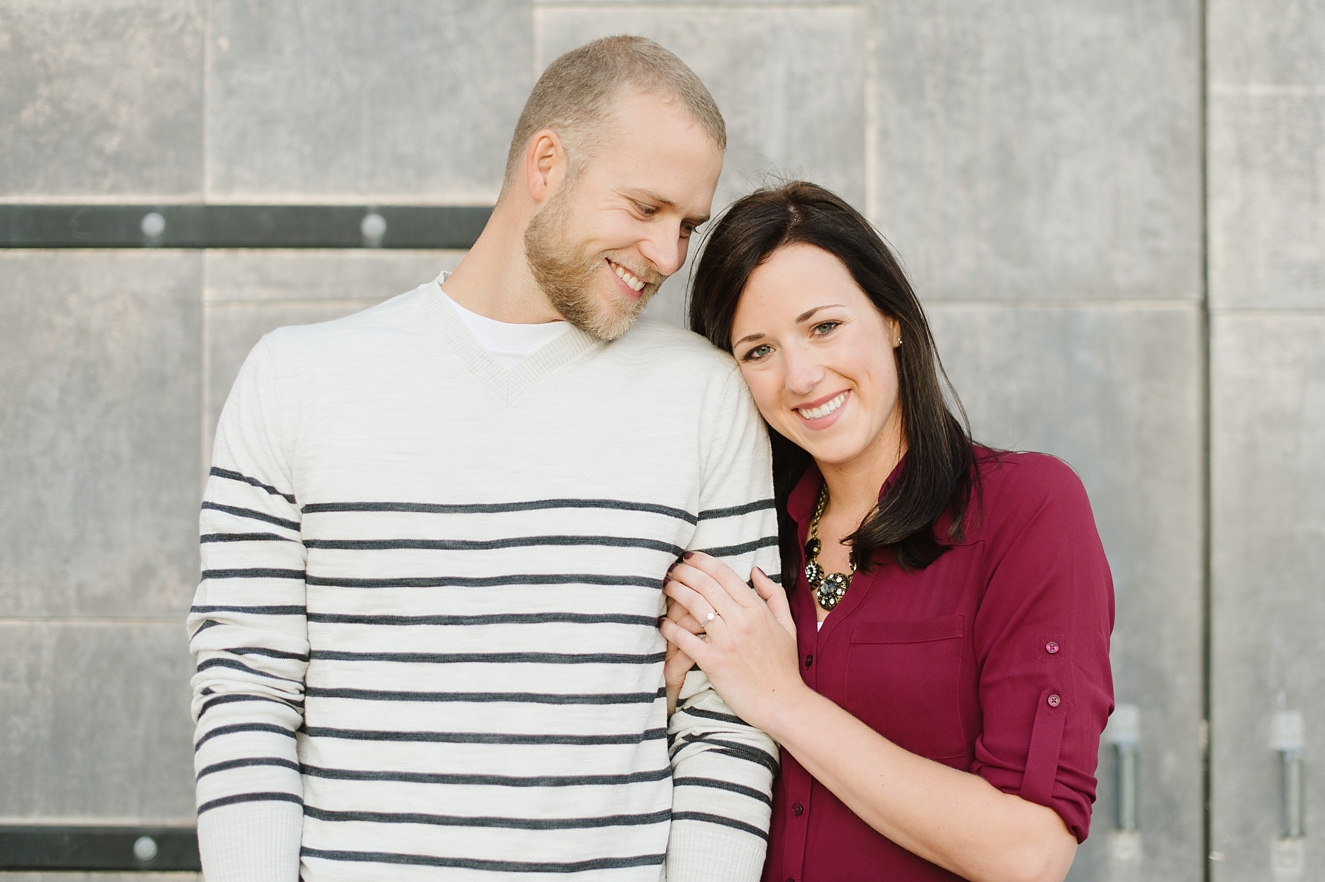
(608, 236)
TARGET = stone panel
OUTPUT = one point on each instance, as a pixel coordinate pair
(272, 276)
(97, 725)
(1041, 150)
(1268, 520)
(413, 101)
(1272, 44)
(100, 404)
(1114, 391)
(1267, 197)
(101, 99)
(249, 293)
(1267, 154)
(790, 83)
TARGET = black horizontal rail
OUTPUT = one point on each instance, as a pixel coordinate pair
(241, 226)
(145, 849)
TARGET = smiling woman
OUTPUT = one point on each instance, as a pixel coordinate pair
(937, 668)
(809, 342)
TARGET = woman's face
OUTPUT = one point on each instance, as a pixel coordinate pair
(818, 358)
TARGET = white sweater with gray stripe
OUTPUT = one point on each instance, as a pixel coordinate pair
(426, 630)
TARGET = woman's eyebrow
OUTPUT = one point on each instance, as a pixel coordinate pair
(800, 318)
(809, 312)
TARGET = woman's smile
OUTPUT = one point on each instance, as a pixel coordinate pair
(816, 413)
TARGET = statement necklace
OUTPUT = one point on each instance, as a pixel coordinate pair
(830, 588)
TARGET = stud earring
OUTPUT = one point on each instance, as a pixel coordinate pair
(899, 341)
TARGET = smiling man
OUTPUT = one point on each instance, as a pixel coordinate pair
(435, 533)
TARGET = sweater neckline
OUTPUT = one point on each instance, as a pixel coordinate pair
(511, 383)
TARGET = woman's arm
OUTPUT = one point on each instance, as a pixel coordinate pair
(954, 819)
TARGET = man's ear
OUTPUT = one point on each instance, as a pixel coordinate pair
(545, 164)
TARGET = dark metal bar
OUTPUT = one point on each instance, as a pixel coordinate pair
(240, 226)
(145, 849)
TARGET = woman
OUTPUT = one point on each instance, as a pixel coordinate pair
(937, 668)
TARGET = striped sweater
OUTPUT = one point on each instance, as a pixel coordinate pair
(426, 632)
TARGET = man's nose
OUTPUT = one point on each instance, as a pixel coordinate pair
(664, 248)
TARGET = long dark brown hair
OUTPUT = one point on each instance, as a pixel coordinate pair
(937, 475)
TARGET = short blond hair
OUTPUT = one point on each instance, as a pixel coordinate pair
(577, 93)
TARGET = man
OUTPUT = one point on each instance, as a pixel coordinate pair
(435, 534)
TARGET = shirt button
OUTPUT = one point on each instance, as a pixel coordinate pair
(797, 809)
(809, 660)
(1054, 700)
(1051, 647)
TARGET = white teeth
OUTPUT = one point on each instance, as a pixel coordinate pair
(634, 281)
(824, 409)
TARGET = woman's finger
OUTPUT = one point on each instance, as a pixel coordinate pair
(686, 642)
(764, 586)
(689, 622)
(675, 669)
(715, 598)
(700, 614)
(679, 614)
(776, 599)
(696, 599)
(721, 574)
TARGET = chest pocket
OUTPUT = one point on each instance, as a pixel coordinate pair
(903, 680)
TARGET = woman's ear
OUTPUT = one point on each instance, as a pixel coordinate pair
(545, 164)
(894, 331)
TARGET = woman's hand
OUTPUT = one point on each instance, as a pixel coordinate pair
(678, 664)
(750, 655)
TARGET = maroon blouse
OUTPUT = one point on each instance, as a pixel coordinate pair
(994, 659)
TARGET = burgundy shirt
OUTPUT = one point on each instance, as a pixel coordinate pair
(994, 659)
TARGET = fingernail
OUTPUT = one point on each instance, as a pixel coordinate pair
(688, 555)
(761, 572)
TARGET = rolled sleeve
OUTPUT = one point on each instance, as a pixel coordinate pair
(1042, 643)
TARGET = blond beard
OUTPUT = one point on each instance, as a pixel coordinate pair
(568, 281)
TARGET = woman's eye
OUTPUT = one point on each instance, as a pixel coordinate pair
(756, 353)
(825, 327)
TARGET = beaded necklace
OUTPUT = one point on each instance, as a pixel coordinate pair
(831, 587)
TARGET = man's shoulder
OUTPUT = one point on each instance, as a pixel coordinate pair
(664, 343)
(336, 338)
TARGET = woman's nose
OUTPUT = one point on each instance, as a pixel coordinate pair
(803, 371)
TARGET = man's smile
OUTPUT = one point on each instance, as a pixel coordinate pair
(633, 281)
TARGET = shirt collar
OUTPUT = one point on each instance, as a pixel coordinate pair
(801, 502)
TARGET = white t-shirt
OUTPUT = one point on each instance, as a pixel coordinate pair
(508, 342)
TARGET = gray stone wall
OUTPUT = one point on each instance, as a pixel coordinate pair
(1115, 212)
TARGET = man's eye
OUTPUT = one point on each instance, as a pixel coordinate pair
(646, 210)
